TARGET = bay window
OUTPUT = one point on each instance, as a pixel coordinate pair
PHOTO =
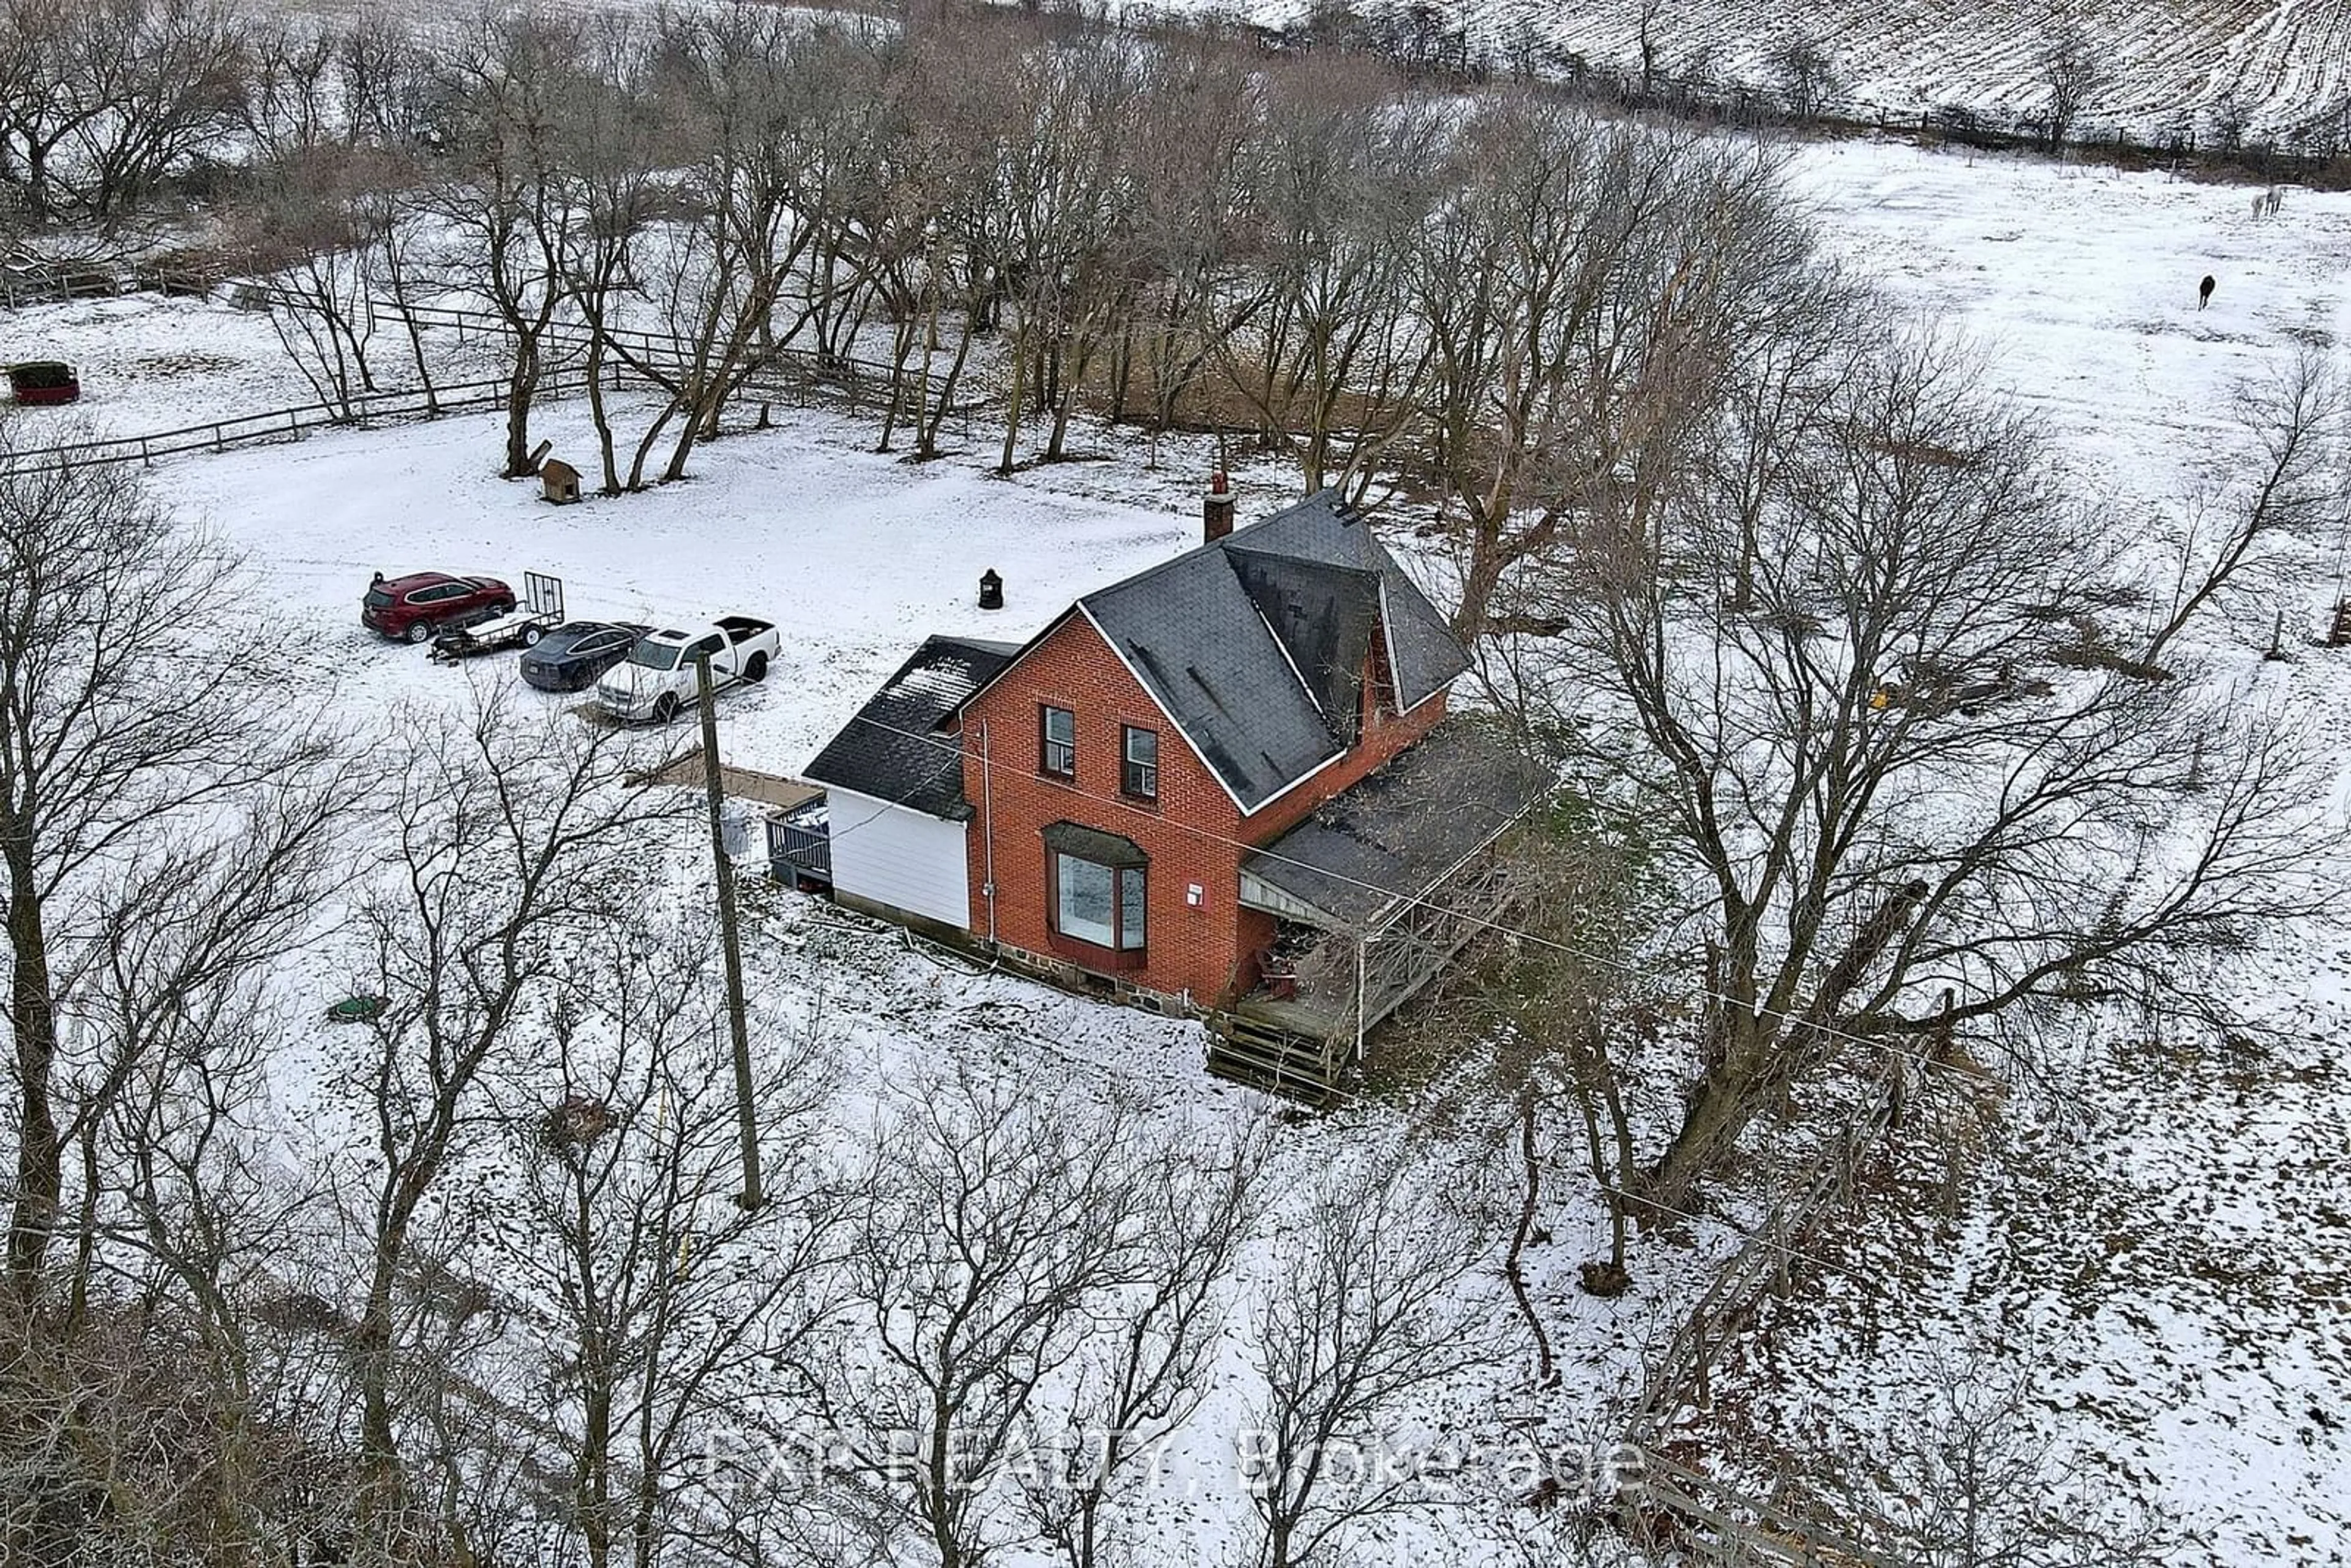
(1098, 889)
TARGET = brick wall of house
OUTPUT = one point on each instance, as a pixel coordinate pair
(1187, 948)
(1205, 951)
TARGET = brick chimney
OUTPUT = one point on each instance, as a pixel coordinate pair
(1217, 508)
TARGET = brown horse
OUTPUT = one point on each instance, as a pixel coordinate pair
(2204, 292)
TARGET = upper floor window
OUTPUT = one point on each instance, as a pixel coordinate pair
(1139, 765)
(1057, 742)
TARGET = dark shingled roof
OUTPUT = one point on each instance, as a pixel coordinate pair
(1399, 829)
(1323, 529)
(884, 758)
(1255, 645)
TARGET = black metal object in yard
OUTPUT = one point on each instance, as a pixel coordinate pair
(991, 589)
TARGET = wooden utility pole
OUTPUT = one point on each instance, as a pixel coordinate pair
(706, 697)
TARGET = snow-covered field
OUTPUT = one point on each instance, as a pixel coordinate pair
(2079, 283)
(2201, 1386)
(2161, 66)
(2159, 1255)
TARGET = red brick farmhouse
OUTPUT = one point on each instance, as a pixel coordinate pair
(1226, 785)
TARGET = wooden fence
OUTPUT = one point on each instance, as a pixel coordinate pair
(1709, 1521)
(1666, 1506)
(23, 285)
(798, 379)
(777, 369)
(1763, 1265)
(286, 424)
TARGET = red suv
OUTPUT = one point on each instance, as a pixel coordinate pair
(424, 604)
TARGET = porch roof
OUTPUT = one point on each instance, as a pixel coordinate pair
(1361, 859)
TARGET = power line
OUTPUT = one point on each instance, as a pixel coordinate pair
(1633, 1201)
(1415, 899)
(955, 754)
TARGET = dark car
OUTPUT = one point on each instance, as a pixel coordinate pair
(40, 382)
(570, 657)
(415, 607)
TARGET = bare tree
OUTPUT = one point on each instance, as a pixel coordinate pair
(1364, 1313)
(2279, 483)
(615, 135)
(503, 192)
(2073, 73)
(1330, 360)
(962, 115)
(181, 1228)
(1587, 290)
(505, 838)
(665, 1295)
(1976, 1474)
(99, 103)
(1913, 650)
(1650, 12)
(120, 725)
(1803, 74)
(1188, 162)
(310, 228)
(1567, 1016)
(1145, 1365)
(980, 1244)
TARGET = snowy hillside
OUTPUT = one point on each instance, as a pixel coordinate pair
(2161, 68)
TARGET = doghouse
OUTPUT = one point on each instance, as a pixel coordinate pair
(38, 381)
(561, 479)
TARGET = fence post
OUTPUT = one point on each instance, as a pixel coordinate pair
(1698, 1347)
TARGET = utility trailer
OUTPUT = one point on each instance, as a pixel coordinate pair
(541, 612)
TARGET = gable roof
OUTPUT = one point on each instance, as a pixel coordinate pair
(1423, 654)
(1254, 645)
(888, 750)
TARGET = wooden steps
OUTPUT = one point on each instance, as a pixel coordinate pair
(1243, 1049)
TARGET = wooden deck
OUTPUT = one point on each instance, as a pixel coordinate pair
(739, 783)
(1291, 1016)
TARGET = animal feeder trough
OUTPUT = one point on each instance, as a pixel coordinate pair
(44, 382)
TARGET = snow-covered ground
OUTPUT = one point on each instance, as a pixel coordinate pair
(2156, 1250)
(151, 364)
(2079, 283)
(2078, 286)
(2161, 68)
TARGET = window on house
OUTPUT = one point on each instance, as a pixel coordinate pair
(1140, 775)
(1099, 904)
(1057, 743)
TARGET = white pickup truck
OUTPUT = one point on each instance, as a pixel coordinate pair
(656, 681)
